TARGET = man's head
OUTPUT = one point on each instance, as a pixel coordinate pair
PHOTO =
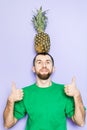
(43, 65)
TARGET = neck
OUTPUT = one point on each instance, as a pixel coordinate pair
(43, 83)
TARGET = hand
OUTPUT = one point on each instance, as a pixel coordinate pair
(16, 94)
(71, 89)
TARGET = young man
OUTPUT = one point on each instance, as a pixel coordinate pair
(46, 103)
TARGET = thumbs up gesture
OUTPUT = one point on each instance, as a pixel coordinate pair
(71, 89)
(16, 94)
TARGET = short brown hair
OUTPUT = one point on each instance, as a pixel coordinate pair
(43, 54)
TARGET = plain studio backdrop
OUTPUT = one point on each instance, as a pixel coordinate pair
(67, 28)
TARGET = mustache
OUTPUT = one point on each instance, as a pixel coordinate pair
(44, 68)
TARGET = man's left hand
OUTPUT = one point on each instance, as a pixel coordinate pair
(71, 89)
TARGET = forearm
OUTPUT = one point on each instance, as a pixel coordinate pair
(79, 115)
(9, 119)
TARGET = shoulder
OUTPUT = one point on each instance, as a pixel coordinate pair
(57, 85)
(60, 89)
(28, 88)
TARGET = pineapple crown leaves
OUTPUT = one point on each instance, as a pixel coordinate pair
(40, 20)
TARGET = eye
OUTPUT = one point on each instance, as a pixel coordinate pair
(48, 62)
(38, 62)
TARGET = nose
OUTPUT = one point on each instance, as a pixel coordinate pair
(44, 64)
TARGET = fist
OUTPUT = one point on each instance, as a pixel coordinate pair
(71, 89)
(16, 94)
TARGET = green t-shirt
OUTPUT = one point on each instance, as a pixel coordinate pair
(47, 108)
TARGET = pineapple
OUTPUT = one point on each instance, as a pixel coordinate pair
(42, 39)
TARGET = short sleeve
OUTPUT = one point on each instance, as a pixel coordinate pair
(19, 110)
(70, 107)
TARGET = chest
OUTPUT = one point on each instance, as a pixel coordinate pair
(45, 103)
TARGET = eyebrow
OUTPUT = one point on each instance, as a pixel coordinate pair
(49, 60)
(41, 60)
(38, 60)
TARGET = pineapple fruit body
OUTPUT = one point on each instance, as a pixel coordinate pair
(41, 39)
(42, 42)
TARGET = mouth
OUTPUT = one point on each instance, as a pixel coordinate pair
(44, 71)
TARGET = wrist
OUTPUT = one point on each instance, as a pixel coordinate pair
(11, 99)
(77, 94)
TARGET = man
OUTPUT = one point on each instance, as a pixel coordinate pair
(46, 103)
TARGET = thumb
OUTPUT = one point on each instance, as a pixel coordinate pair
(13, 86)
(73, 80)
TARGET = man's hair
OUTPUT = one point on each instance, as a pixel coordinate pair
(43, 54)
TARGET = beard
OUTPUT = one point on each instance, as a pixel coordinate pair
(44, 73)
(43, 76)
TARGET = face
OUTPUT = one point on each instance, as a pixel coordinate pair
(43, 66)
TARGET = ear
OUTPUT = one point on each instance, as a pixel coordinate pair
(33, 69)
(53, 68)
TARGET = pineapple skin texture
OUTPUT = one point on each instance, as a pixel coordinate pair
(42, 43)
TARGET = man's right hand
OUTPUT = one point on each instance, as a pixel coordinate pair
(16, 94)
